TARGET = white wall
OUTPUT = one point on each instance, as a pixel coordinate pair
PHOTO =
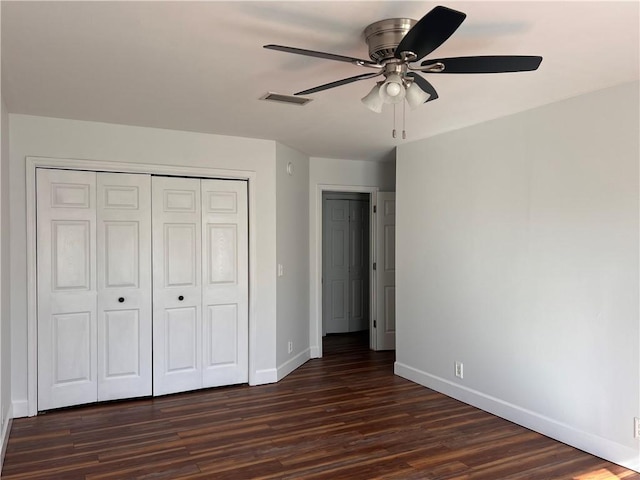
(517, 254)
(5, 339)
(48, 137)
(292, 252)
(347, 173)
(330, 171)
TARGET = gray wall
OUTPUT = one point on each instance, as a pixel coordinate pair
(292, 252)
(517, 254)
(5, 277)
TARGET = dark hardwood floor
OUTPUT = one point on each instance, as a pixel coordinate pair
(345, 416)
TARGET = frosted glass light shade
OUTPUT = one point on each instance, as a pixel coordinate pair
(373, 101)
(416, 96)
(392, 90)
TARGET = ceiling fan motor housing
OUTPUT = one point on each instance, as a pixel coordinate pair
(384, 36)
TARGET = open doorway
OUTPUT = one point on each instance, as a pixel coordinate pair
(346, 257)
(380, 298)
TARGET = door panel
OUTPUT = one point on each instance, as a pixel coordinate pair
(66, 251)
(338, 303)
(223, 255)
(121, 344)
(122, 263)
(177, 289)
(358, 266)
(386, 272)
(225, 292)
(389, 323)
(72, 348)
(71, 254)
(335, 269)
(181, 254)
(182, 339)
(223, 335)
(124, 285)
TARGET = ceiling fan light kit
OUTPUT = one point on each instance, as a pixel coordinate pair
(373, 100)
(396, 44)
(392, 89)
(416, 96)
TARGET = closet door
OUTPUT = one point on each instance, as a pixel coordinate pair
(358, 266)
(225, 282)
(66, 259)
(124, 285)
(177, 286)
(335, 268)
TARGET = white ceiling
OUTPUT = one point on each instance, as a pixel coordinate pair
(200, 66)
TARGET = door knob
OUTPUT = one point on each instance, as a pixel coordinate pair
(121, 299)
(180, 298)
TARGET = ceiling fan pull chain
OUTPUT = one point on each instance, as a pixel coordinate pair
(393, 132)
(404, 109)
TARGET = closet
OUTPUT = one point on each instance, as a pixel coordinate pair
(142, 285)
(345, 262)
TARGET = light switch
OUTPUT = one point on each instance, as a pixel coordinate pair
(280, 270)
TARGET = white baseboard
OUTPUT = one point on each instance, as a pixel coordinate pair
(262, 377)
(20, 408)
(4, 438)
(614, 452)
(294, 362)
(314, 351)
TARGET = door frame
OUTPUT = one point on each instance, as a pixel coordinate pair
(316, 320)
(32, 163)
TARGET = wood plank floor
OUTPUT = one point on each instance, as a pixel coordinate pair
(345, 416)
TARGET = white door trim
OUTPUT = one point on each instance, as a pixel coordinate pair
(316, 320)
(104, 166)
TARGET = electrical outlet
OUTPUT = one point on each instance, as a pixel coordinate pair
(458, 369)
(636, 427)
(280, 270)
(290, 346)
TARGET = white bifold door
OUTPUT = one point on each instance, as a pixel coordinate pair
(94, 287)
(118, 318)
(123, 250)
(200, 296)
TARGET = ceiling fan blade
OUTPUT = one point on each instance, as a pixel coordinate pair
(338, 83)
(487, 64)
(424, 85)
(326, 56)
(430, 32)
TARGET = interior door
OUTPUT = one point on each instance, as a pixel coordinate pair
(124, 285)
(177, 287)
(386, 271)
(358, 266)
(335, 268)
(225, 283)
(66, 256)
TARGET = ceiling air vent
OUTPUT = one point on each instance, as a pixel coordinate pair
(290, 99)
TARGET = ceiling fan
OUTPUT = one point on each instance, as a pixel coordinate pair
(396, 44)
